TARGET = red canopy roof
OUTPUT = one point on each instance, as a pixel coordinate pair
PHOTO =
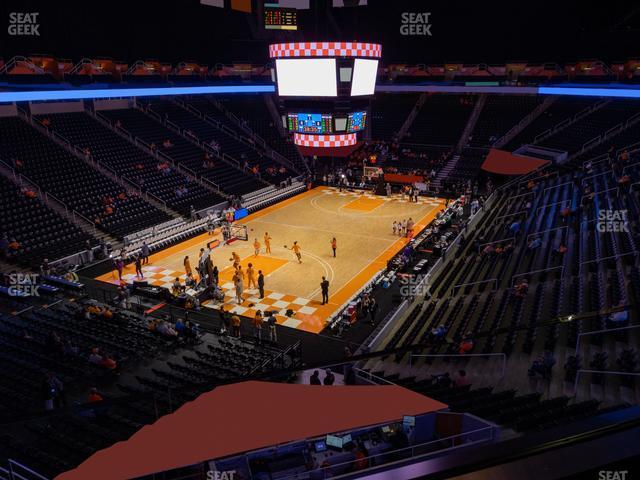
(506, 163)
(247, 416)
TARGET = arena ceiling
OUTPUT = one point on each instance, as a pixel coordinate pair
(454, 31)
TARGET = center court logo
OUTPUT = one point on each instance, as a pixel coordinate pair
(24, 24)
(415, 24)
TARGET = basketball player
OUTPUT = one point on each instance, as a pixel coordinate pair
(237, 282)
(267, 242)
(296, 250)
(256, 247)
(410, 225)
(334, 246)
(251, 276)
(395, 227)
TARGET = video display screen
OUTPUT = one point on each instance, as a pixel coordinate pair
(307, 77)
(318, 123)
(364, 77)
(278, 18)
(356, 121)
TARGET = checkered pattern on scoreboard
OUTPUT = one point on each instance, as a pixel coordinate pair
(325, 141)
(272, 301)
(325, 49)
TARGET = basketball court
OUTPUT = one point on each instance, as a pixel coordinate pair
(360, 222)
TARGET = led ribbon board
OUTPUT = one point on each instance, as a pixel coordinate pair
(324, 141)
(325, 49)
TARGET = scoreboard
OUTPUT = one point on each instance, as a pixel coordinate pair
(356, 121)
(310, 123)
(278, 18)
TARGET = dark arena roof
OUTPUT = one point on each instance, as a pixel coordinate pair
(309, 239)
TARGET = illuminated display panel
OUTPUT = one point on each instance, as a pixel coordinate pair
(310, 123)
(356, 121)
(307, 77)
(325, 141)
(278, 18)
(364, 77)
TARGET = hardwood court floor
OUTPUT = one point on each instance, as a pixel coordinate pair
(361, 224)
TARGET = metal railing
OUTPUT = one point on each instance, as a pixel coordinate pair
(18, 471)
(539, 233)
(595, 175)
(418, 451)
(540, 270)
(460, 285)
(502, 240)
(599, 372)
(511, 214)
(466, 355)
(604, 331)
(561, 202)
(610, 257)
(557, 186)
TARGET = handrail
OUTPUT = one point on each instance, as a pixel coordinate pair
(128, 180)
(323, 471)
(456, 355)
(610, 257)
(601, 372)
(75, 212)
(598, 192)
(172, 126)
(568, 200)
(606, 330)
(595, 175)
(153, 114)
(599, 159)
(189, 133)
(157, 199)
(561, 267)
(494, 280)
(521, 195)
(368, 376)
(548, 176)
(629, 166)
(537, 234)
(215, 185)
(48, 197)
(210, 119)
(511, 214)
(557, 186)
(498, 241)
(14, 465)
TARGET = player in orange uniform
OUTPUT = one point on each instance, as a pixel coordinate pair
(251, 276)
(296, 250)
(267, 242)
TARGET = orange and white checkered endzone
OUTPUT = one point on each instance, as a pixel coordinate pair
(325, 49)
(327, 141)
